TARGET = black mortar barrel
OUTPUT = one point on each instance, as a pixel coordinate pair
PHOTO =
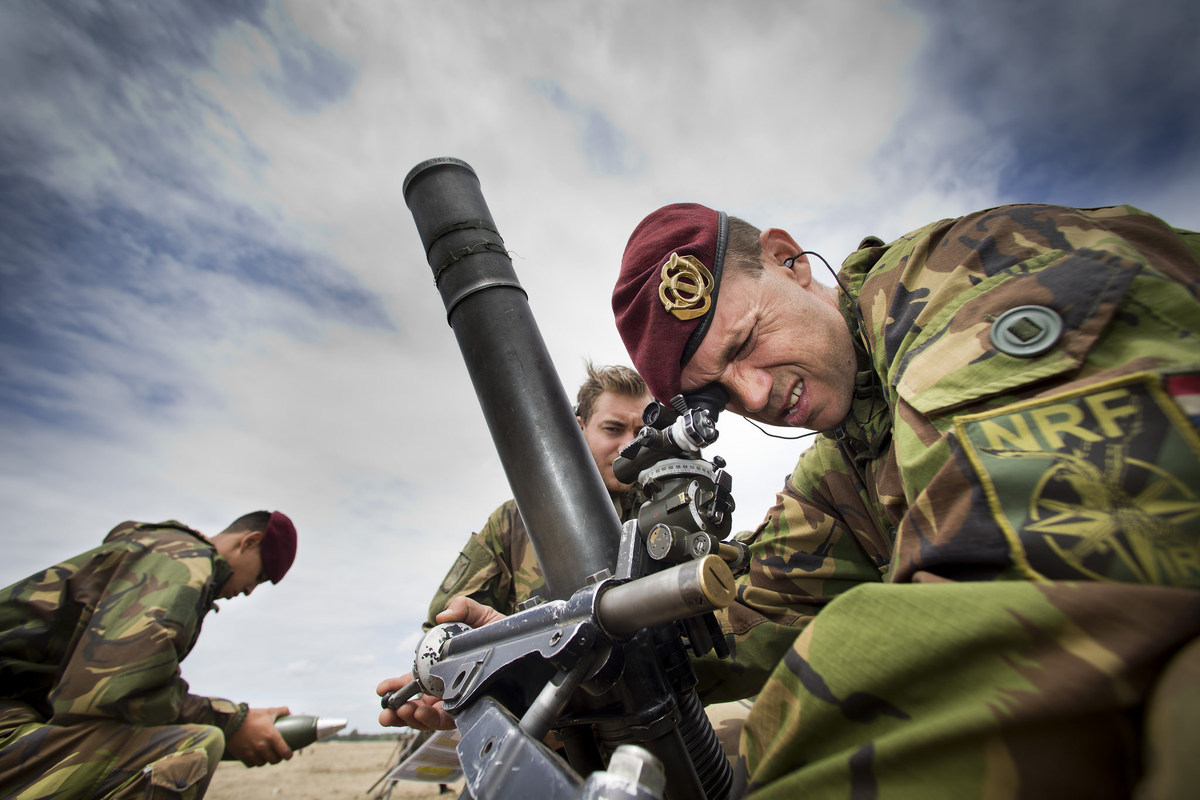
(562, 499)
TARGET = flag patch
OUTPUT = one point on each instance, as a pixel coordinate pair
(1185, 390)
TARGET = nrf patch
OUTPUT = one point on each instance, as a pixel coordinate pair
(1098, 484)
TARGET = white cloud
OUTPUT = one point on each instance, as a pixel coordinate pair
(302, 668)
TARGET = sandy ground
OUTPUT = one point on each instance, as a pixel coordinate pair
(321, 771)
(334, 770)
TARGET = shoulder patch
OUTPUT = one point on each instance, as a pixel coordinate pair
(454, 576)
(1102, 483)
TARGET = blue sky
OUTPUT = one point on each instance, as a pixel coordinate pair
(212, 296)
(1094, 100)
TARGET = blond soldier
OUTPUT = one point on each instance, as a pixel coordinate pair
(497, 567)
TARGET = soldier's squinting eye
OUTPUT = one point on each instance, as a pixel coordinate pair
(746, 347)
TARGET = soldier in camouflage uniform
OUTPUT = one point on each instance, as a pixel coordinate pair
(92, 704)
(992, 550)
(498, 567)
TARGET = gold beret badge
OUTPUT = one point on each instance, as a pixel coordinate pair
(686, 287)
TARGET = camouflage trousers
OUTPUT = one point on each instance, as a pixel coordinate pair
(984, 691)
(103, 759)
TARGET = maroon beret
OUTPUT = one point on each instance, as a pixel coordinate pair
(667, 290)
(278, 546)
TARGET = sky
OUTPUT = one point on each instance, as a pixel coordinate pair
(213, 298)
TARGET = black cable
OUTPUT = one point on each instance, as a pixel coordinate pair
(766, 432)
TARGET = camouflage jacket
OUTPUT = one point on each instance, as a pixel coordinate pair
(972, 463)
(101, 635)
(1025, 419)
(498, 567)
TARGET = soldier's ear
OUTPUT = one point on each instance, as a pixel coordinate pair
(779, 248)
(251, 540)
(778, 245)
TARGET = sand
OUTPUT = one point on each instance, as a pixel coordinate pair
(336, 770)
(321, 771)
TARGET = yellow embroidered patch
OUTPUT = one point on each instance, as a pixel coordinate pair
(1101, 483)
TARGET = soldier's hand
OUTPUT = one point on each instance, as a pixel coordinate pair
(256, 742)
(423, 713)
(464, 609)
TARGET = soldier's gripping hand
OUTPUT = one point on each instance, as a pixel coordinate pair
(423, 712)
(471, 612)
(256, 742)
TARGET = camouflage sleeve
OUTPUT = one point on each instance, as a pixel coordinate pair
(126, 663)
(1191, 240)
(817, 541)
(225, 714)
(482, 570)
(954, 689)
(756, 644)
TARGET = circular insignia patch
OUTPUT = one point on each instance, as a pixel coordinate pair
(686, 287)
(1027, 331)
